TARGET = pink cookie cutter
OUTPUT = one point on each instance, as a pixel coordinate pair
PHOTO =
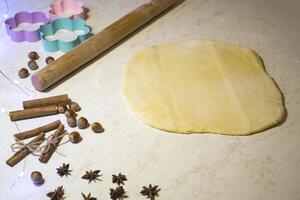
(25, 17)
(67, 9)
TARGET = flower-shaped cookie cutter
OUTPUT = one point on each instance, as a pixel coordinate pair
(67, 9)
(67, 24)
(25, 17)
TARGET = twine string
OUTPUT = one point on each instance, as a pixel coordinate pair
(36, 148)
(51, 141)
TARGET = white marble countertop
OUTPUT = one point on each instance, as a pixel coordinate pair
(264, 166)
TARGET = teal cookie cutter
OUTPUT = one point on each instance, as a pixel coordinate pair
(64, 24)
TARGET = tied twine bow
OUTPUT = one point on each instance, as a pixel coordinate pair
(36, 148)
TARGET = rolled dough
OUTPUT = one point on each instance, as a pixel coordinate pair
(202, 86)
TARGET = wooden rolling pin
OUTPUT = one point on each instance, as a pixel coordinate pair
(98, 44)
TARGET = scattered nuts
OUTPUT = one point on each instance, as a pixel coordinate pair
(74, 137)
(69, 113)
(32, 65)
(37, 178)
(49, 60)
(71, 121)
(33, 55)
(61, 108)
(75, 106)
(97, 127)
(82, 123)
(23, 73)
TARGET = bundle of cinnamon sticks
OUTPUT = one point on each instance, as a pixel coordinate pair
(37, 108)
(46, 146)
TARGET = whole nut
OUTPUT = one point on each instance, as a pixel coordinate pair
(37, 178)
(71, 121)
(82, 123)
(75, 106)
(33, 55)
(61, 108)
(49, 60)
(97, 127)
(23, 73)
(32, 65)
(74, 137)
(69, 113)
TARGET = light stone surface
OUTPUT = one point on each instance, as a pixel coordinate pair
(263, 166)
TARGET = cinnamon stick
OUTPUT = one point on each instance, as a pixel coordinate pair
(34, 132)
(52, 145)
(48, 101)
(24, 151)
(33, 112)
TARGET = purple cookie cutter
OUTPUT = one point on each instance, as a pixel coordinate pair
(25, 17)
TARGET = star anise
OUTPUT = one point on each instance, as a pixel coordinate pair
(92, 175)
(88, 197)
(119, 179)
(151, 191)
(118, 194)
(57, 194)
(64, 170)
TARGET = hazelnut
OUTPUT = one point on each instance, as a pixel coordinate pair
(97, 127)
(32, 65)
(71, 121)
(49, 60)
(75, 106)
(33, 55)
(69, 113)
(37, 178)
(82, 123)
(61, 108)
(74, 137)
(23, 73)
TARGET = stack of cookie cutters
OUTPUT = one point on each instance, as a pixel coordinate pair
(63, 15)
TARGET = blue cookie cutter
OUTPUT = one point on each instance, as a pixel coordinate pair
(65, 24)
